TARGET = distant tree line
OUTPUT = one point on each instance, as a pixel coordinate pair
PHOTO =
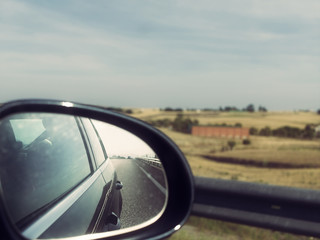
(166, 122)
(228, 109)
(236, 125)
(249, 108)
(289, 132)
(179, 124)
(119, 110)
(184, 124)
(169, 109)
(114, 109)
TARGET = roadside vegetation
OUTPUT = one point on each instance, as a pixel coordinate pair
(286, 162)
(289, 155)
(258, 120)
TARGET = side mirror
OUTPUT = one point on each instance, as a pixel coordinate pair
(70, 170)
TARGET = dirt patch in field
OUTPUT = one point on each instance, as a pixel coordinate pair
(257, 163)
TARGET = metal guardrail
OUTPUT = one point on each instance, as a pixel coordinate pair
(279, 208)
(151, 161)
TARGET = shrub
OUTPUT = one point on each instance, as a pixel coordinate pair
(253, 131)
(250, 108)
(287, 131)
(182, 124)
(308, 132)
(246, 142)
(262, 109)
(161, 122)
(231, 144)
(169, 109)
(265, 131)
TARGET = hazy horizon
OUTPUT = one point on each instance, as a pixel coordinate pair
(240, 109)
(157, 54)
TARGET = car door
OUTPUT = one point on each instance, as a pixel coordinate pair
(108, 214)
(52, 185)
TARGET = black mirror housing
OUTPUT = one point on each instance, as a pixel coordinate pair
(179, 176)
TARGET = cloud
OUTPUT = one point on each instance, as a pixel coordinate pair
(172, 48)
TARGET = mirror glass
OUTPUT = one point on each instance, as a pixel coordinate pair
(66, 176)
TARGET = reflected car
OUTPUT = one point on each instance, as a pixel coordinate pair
(57, 179)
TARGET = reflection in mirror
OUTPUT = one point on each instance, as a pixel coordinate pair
(66, 176)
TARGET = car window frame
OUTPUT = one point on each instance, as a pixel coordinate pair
(35, 217)
(41, 224)
(96, 134)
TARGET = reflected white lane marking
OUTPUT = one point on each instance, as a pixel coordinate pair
(158, 185)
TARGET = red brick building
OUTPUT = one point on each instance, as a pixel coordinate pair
(227, 132)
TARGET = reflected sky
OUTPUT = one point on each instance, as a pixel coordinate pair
(119, 142)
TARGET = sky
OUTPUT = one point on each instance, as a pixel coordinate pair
(119, 142)
(177, 53)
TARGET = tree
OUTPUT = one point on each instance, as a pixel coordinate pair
(231, 144)
(266, 131)
(168, 109)
(262, 109)
(227, 109)
(308, 132)
(287, 131)
(182, 124)
(250, 108)
(253, 131)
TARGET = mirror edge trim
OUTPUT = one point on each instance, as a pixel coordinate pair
(179, 175)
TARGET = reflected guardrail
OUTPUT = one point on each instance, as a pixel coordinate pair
(151, 161)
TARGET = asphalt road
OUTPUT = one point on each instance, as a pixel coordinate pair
(143, 191)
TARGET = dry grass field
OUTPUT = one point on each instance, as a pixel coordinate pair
(208, 229)
(257, 119)
(296, 153)
(268, 160)
(260, 120)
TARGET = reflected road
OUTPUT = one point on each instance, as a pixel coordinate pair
(143, 191)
